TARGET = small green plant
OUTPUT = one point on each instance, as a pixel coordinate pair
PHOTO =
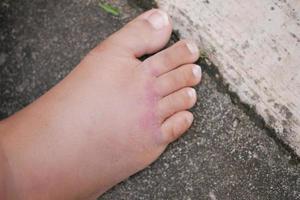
(109, 9)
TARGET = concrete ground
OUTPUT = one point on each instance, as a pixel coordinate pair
(225, 155)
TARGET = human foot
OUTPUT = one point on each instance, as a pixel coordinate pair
(109, 118)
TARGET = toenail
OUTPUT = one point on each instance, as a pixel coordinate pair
(189, 119)
(192, 47)
(197, 71)
(158, 19)
(192, 93)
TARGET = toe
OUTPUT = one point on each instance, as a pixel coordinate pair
(181, 100)
(183, 52)
(146, 34)
(184, 76)
(175, 126)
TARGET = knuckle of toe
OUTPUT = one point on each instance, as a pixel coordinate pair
(172, 134)
(171, 105)
(173, 80)
(185, 77)
(168, 59)
(182, 47)
(176, 105)
(190, 50)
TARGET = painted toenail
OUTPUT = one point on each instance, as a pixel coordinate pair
(192, 47)
(159, 19)
(197, 71)
(192, 92)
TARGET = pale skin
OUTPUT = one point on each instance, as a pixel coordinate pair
(109, 118)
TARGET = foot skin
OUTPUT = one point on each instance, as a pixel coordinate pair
(109, 118)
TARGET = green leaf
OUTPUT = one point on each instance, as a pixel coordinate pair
(109, 8)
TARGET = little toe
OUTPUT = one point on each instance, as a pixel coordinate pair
(146, 34)
(183, 52)
(184, 76)
(178, 101)
(175, 126)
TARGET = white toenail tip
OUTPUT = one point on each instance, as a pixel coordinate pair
(197, 71)
(192, 93)
(192, 47)
(158, 19)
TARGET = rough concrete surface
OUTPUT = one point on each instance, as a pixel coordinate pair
(255, 46)
(225, 155)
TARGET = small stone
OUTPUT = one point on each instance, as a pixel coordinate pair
(235, 123)
(212, 196)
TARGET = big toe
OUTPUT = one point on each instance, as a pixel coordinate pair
(146, 34)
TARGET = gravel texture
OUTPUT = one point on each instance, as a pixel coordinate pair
(225, 155)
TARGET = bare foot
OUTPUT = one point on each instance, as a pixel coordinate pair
(109, 118)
